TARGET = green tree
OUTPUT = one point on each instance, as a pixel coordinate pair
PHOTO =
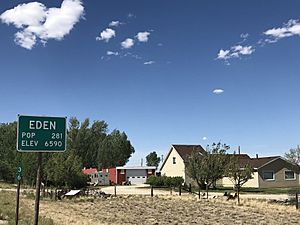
(293, 155)
(196, 169)
(8, 153)
(65, 170)
(238, 174)
(114, 150)
(152, 159)
(207, 168)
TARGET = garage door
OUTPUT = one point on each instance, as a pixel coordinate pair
(136, 176)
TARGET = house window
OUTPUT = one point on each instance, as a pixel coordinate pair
(268, 175)
(122, 171)
(174, 160)
(149, 171)
(289, 175)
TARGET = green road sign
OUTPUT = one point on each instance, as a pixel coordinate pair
(19, 169)
(41, 134)
(19, 177)
(19, 173)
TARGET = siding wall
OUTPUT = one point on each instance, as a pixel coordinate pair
(174, 170)
(254, 182)
(278, 167)
(112, 174)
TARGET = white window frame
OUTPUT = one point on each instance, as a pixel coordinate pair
(268, 171)
(290, 178)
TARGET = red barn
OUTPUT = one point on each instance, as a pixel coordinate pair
(134, 174)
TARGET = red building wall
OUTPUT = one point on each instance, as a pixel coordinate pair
(112, 174)
(150, 173)
(121, 176)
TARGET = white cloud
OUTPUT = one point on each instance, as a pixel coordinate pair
(143, 36)
(223, 54)
(25, 39)
(112, 53)
(204, 138)
(235, 52)
(114, 23)
(106, 35)
(149, 62)
(244, 35)
(242, 50)
(129, 54)
(291, 28)
(130, 15)
(30, 14)
(218, 91)
(39, 23)
(128, 43)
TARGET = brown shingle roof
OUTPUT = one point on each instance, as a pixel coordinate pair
(186, 150)
(244, 159)
(258, 162)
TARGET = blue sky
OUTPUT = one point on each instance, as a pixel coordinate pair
(193, 72)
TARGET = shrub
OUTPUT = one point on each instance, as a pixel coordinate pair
(164, 181)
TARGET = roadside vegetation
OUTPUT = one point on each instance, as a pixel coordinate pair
(8, 210)
(89, 145)
(164, 181)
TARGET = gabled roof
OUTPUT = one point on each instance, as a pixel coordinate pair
(255, 163)
(89, 171)
(259, 162)
(184, 151)
(243, 159)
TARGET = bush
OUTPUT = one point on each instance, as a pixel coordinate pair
(6, 171)
(164, 181)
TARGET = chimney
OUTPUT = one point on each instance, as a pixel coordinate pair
(162, 158)
(141, 161)
(239, 150)
(257, 156)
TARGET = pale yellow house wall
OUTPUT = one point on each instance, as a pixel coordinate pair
(173, 170)
(226, 182)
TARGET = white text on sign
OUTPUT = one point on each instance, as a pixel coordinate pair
(45, 125)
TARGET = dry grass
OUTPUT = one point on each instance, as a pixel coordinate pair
(8, 210)
(166, 210)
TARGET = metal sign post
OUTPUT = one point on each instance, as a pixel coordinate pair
(19, 177)
(41, 134)
(37, 190)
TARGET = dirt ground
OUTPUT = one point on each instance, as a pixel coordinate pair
(139, 209)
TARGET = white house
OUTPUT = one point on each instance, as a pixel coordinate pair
(175, 162)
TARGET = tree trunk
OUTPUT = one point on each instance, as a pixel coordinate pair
(238, 195)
